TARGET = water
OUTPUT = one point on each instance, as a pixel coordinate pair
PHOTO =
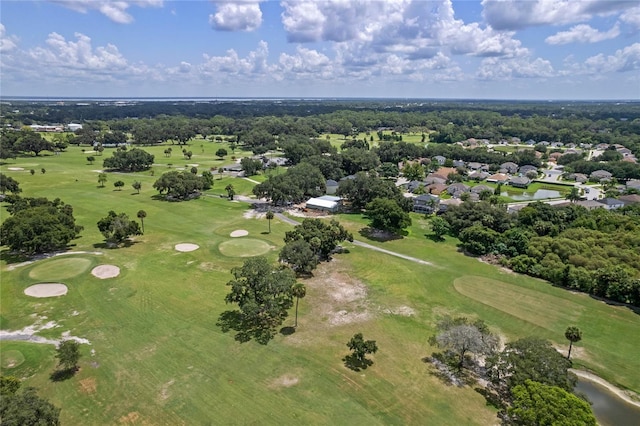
(540, 194)
(608, 408)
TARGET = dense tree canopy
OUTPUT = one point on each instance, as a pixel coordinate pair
(387, 215)
(134, 160)
(183, 185)
(321, 236)
(263, 294)
(37, 225)
(116, 228)
(9, 184)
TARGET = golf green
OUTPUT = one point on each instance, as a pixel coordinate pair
(58, 269)
(11, 358)
(244, 247)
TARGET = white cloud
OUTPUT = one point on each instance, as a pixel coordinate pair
(7, 42)
(507, 69)
(237, 16)
(61, 53)
(114, 10)
(583, 34)
(517, 14)
(306, 63)
(632, 17)
(627, 59)
(253, 65)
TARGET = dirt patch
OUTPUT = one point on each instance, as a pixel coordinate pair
(284, 381)
(88, 385)
(404, 311)
(105, 271)
(239, 233)
(46, 290)
(253, 214)
(164, 392)
(186, 247)
(130, 418)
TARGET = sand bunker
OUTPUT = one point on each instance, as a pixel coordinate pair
(46, 290)
(239, 233)
(186, 247)
(105, 271)
(15, 169)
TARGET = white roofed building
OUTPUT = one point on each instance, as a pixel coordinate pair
(325, 203)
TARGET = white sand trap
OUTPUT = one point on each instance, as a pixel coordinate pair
(239, 233)
(105, 271)
(15, 169)
(186, 247)
(46, 290)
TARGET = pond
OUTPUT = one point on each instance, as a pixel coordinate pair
(609, 409)
(540, 194)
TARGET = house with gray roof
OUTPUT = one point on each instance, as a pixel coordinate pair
(600, 175)
(457, 189)
(426, 203)
(519, 182)
(478, 189)
(510, 167)
(478, 175)
(630, 199)
(526, 169)
(440, 159)
(633, 184)
(611, 203)
(332, 186)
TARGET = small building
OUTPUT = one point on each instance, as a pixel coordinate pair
(526, 169)
(74, 126)
(332, 186)
(633, 184)
(479, 189)
(445, 204)
(436, 188)
(519, 182)
(457, 189)
(611, 203)
(325, 203)
(630, 199)
(434, 178)
(440, 159)
(478, 175)
(589, 204)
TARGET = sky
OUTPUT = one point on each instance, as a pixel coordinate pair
(488, 49)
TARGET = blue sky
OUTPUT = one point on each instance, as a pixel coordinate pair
(491, 49)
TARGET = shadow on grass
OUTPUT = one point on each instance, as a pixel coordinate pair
(434, 238)
(62, 375)
(111, 246)
(356, 364)
(492, 398)
(380, 236)
(10, 257)
(287, 331)
(447, 371)
(245, 332)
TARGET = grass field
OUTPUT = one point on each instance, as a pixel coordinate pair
(157, 356)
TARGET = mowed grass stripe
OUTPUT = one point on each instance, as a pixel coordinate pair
(529, 305)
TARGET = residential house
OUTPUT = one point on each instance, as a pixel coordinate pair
(526, 169)
(444, 204)
(600, 175)
(478, 175)
(440, 159)
(498, 178)
(426, 203)
(458, 163)
(510, 167)
(611, 203)
(435, 178)
(474, 165)
(589, 204)
(478, 189)
(436, 188)
(457, 189)
(630, 199)
(633, 184)
(519, 182)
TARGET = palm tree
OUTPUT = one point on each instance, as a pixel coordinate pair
(102, 178)
(141, 215)
(269, 217)
(299, 291)
(574, 335)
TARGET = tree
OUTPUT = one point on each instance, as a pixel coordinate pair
(250, 166)
(194, 170)
(26, 408)
(135, 160)
(32, 171)
(299, 256)
(118, 184)
(91, 159)
(33, 142)
(388, 215)
(43, 170)
(439, 226)
(9, 385)
(323, 237)
(263, 294)
(573, 335)
(182, 185)
(38, 225)
(529, 358)
(137, 186)
(7, 183)
(359, 350)
(573, 195)
(269, 217)
(459, 336)
(221, 153)
(102, 179)
(68, 354)
(117, 227)
(537, 404)
(141, 215)
(299, 291)
(230, 191)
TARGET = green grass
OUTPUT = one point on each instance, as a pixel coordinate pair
(156, 354)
